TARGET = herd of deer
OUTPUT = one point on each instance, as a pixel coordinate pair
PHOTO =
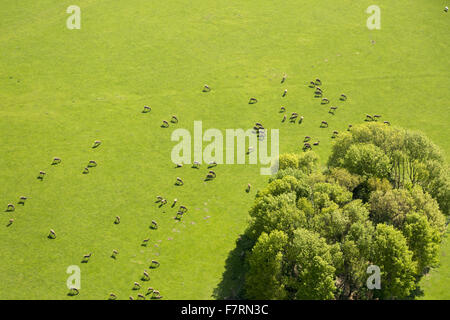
(260, 131)
(155, 294)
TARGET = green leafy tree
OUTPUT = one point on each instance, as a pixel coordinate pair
(367, 160)
(414, 159)
(288, 160)
(423, 240)
(311, 264)
(390, 207)
(345, 179)
(275, 213)
(265, 279)
(391, 253)
(286, 185)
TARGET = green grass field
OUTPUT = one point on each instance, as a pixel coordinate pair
(62, 89)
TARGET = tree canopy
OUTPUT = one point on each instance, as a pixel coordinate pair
(313, 234)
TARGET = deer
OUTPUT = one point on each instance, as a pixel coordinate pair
(154, 264)
(86, 257)
(97, 143)
(52, 234)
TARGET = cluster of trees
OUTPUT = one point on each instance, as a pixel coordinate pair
(312, 233)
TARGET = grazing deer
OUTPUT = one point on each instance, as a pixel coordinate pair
(56, 160)
(92, 163)
(136, 286)
(114, 253)
(41, 175)
(146, 109)
(10, 207)
(335, 133)
(179, 215)
(282, 109)
(284, 93)
(284, 118)
(249, 186)
(196, 165)
(349, 127)
(165, 124)
(74, 291)
(206, 88)
(387, 122)
(112, 296)
(343, 97)
(141, 296)
(157, 296)
(22, 199)
(52, 234)
(86, 257)
(86, 170)
(301, 119)
(325, 101)
(154, 264)
(316, 143)
(307, 138)
(156, 293)
(179, 182)
(146, 276)
(212, 164)
(174, 119)
(212, 173)
(312, 84)
(117, 221)
(144, 242)
(324, 124)
(284, 78)
(179, 165)
(10, 222)
(253, 100)
(154, 225)
(318, 82)
(96, 143)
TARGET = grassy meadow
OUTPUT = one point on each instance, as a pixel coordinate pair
(60, 90)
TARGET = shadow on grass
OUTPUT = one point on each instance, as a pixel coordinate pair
(232, 284)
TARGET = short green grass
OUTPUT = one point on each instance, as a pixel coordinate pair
(435, 285)
(62, 89)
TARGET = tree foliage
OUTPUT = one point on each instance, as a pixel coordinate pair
(314, 234)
